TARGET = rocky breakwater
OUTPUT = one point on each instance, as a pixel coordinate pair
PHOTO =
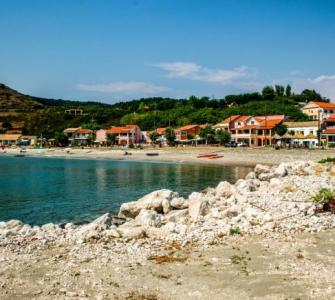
(269, 200)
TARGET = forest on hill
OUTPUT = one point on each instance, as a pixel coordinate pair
(48, 117)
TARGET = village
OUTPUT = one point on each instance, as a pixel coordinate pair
(237, 131)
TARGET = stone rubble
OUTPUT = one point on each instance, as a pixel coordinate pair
(271, 199)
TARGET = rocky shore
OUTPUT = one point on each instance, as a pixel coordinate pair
(272, 202)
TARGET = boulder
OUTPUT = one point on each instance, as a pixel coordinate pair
(148, 218)
(281, 170)
(197, 206)
(251, 175)
(131, 232)
(112, 232)
(275, 182)
(14, 224)
(224, 189)
(260, 169)
(106, 219)
(176, 215)
(153, 201)
(266, 176)
(232, 211)
(179, 203)
(166, 206)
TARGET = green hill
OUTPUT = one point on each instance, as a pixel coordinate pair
(48, 116)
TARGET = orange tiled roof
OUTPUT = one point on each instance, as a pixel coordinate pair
(161, 130)
(230, 119)
(330, 118)
(186, 127)
(324, 104)
(329, 131)
(120, 129)
(83, 131)
(242, 118)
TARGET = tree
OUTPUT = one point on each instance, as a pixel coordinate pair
(288, 91)
(153, 137)
(170, 136)
(111, 139)
(268, 93)
(310, 95)
(6, 125)
(281, 129)
(279, 90)
(207, 134)
(222, 136)
(61, 139)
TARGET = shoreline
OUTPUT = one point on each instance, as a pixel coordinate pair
(264, 231)
(231, 157)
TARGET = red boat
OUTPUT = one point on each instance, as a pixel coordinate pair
(217, 156)
(207, 155)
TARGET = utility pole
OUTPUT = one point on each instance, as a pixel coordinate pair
(319, 128)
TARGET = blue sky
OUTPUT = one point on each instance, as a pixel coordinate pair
(112, 50)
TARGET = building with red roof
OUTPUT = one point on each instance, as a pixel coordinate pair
(251, 130)
(183, 133)
(318, 110)
(79, 136)
(126, 135)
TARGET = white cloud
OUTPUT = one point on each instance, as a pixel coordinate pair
(324, 84)
(193, 71)
(131, 87)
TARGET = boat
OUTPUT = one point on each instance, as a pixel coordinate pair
(207, 155)
(19, 155)
(216, 156)
(152, 154)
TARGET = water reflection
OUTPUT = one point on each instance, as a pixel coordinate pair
(42, 190)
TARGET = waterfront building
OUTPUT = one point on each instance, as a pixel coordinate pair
(188, 132)
(256, 131)
(318, 110)
(304, 134)
(126, 135)
(79, 136)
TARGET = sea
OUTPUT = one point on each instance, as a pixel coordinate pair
(58, 190)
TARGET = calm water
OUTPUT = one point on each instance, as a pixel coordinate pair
(43, 190)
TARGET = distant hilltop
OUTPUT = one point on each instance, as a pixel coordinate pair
(12, 99)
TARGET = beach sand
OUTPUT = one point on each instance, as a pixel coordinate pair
(231, 156)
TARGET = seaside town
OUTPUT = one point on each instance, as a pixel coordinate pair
(167, 150)
(243, 131)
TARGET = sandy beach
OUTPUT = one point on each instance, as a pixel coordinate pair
(231, 156)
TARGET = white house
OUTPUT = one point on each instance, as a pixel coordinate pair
(305, 134)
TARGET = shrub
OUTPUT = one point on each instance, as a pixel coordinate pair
(324, 196)
(234, 230)
(326, 160)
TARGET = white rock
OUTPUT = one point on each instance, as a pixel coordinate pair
(281, 170)
(106, 219)
(224, 189)
(179, 203)
(149, 218)
(260, 169)
(275, 182)
(176, 215)
(131, 232)
(151, 201)
(197, 205)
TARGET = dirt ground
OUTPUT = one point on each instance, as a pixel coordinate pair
(301, 266)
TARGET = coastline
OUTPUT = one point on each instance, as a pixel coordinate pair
(235, 156)
(263, 231)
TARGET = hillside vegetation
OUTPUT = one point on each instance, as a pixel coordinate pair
(47, 116)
